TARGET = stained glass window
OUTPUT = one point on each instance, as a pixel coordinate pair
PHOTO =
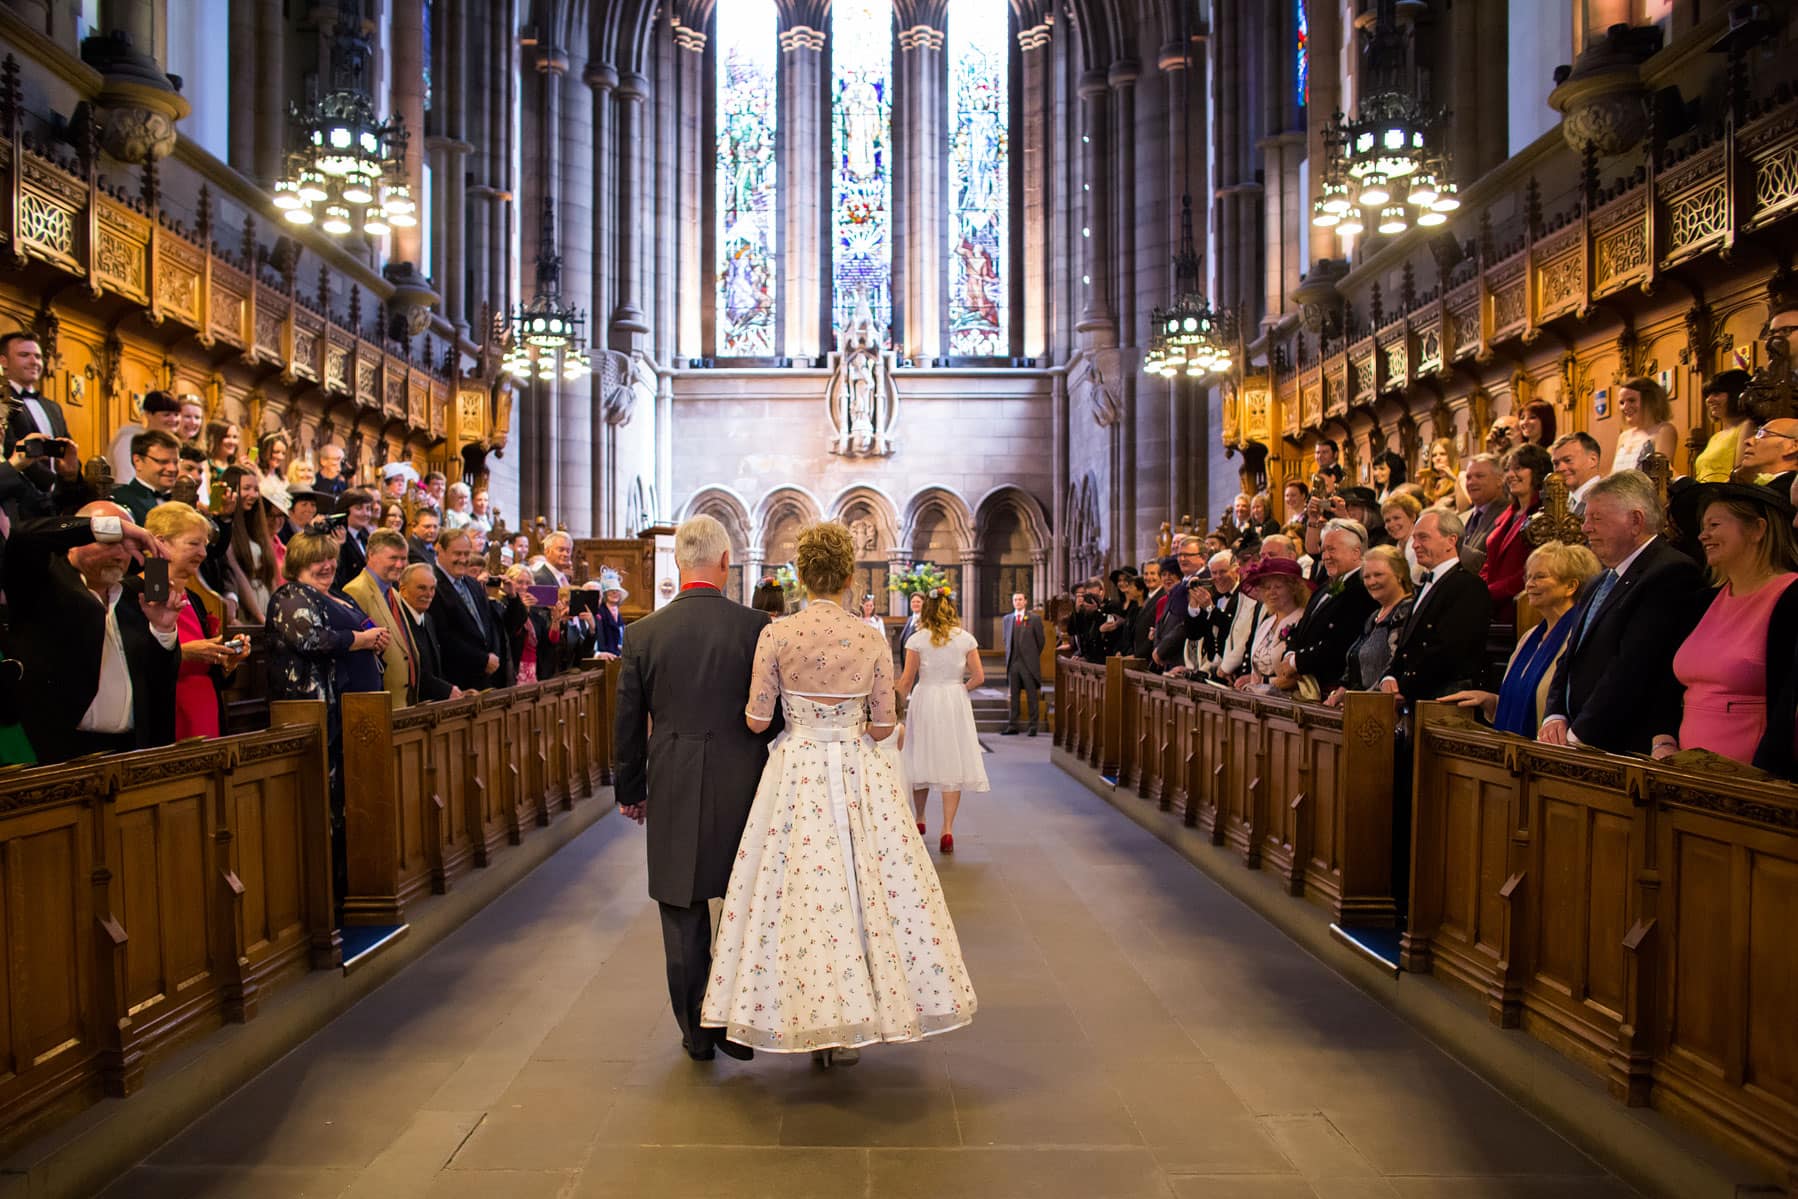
(1304, 52)
(861, 193)
(746, 177)
(979, 175)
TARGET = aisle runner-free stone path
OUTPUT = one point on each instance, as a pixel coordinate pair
(1140, 1034)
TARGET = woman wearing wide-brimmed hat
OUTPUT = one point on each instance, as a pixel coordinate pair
(1282, 591)
(1740, 655)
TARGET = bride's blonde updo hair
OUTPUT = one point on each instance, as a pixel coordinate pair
(825, 558)
(939, 616)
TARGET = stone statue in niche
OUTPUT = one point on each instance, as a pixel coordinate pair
(862, 396)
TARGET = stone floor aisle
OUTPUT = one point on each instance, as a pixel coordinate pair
(1140, 1034)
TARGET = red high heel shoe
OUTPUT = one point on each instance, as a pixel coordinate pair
(920, 828)
(947, 844)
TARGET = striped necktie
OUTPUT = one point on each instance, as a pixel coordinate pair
(404, 623)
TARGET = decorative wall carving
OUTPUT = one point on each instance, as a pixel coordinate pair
(1621, 253)
(47, 226)
(1694, 218)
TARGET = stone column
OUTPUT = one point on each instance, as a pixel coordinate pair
(804, 189)
(627, 319)
(1059, 481)
(543, 481)
(241, 53)
(898, 604)
(664, 446)
(577, 169)
(1036, 112)
(408, 98)
(664, 297)
(1039, 581)
(1180, 185)
(603, 80)
(970, 593)
(1098, 324)
(1121, 238)
(753, 565)
(921, 173)
(694, 272)
(271, 92)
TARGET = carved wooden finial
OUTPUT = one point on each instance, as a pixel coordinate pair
(324, 289)
(1374, 306)
(203, 229)
(1532, 207)
(1659, 468)
(9, 97)
(1408, 288)
(150, 189)
(1555, 521)
(355, 310)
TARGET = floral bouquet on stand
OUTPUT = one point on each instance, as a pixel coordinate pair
(921, 579)
(788, 578)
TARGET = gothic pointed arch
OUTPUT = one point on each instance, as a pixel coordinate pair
(1014, 501)
(728, 508)
(865, 502)
(937, 513)
(779, 518)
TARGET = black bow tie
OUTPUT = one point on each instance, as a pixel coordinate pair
(25, 394)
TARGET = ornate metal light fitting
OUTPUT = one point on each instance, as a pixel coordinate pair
(547, 334)
(1385, 167)
(1189, 337)
(347, 170)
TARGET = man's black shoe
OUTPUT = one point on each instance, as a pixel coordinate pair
(729, 1048)
(699, 1055)
(1008, 732)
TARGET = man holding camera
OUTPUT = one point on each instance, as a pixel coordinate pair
(27, 410)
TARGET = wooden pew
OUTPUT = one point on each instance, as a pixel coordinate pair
(1634, 915)
(436, 789)
(149, 897)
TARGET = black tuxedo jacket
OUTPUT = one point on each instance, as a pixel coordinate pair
(1615, 684)
(432, 684)
(352, 557)
(683, 749)
(57, 630)
(1442, 647)
(464, 638)
(1142, 633)
(1170, 630)
(20, 423)
(1212, 629)
(1330, 625)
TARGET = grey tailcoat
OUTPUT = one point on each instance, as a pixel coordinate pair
(685, 675)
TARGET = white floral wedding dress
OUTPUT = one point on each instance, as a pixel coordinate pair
(834, 933)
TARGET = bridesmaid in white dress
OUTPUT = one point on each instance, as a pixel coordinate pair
(942, 744)
(834, 933)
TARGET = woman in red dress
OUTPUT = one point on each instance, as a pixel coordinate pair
(206, 656)
(1507, 549)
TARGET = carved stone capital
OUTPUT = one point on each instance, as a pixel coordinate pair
(550, 61)
(802, 37)
(633, 87)
(601, 77)
(1035, 38)
(921, 37)
(689, 39)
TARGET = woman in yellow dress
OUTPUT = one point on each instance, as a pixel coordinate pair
(1724, 410)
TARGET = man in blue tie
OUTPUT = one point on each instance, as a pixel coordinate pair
(1615, 685)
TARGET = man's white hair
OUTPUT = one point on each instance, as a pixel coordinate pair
(700, 542)
(560, 535)
(1222, 560)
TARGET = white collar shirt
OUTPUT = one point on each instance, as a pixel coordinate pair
(111, 710)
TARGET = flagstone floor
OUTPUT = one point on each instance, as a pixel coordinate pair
(1140, 1034)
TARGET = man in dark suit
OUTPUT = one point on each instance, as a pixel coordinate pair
(1338, 611)
(912, 621)
(98, 661)
(155, 466)
(1486, 495)
(558, 561)
(417, 590)
(1023, 662)
(1615, 687)
(1211, 611)
(685, 674)
(1442, 647)
(330, 479)
(422, 544)
(461, 617)
(1170, 629)
(359, 511)
(28, 411)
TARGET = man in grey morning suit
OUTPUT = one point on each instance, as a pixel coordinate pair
(1023, 662)
(688, 765)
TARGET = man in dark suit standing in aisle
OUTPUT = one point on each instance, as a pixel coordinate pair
(1442, 647)
(1023, 663)
(1338, 611)
(683, 681)
(27, 410)
(1615, 687)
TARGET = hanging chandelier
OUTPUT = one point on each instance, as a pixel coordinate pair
(547, 334)
(1189, 338)
(347, 170)
(1385, 167)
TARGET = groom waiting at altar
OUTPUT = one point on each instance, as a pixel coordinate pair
(688, 765)
(1023, 662)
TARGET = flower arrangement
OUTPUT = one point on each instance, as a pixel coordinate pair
(788, 578)
(924, 578)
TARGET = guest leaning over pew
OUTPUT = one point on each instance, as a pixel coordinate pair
(208, 657)
(1740, 652)
(97, 661)
(1615, 686)
(1553, 577)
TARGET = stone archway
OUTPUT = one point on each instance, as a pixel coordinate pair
(730, 511)
(873, 525)
(1012, 536)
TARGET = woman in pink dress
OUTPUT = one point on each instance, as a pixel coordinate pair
(1736, 656)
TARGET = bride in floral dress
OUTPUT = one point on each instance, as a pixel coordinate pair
(834, 932)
